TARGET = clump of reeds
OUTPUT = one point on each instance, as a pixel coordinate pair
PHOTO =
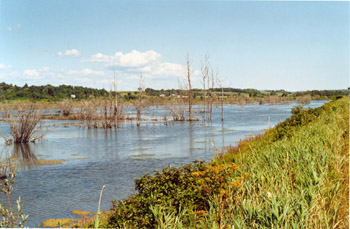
(305, 99)
(177, 112)
(102, 113)
(66, 107)
(25, 124)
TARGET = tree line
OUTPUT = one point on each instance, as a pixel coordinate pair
(49, 92)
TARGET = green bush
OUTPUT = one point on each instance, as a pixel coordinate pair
(189, 187)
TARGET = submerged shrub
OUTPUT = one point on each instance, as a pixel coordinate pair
(25, 125)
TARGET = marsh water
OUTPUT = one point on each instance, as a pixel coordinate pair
(97, 157)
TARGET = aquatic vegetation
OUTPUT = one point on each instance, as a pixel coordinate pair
(49, 162)
(62, 223)
(25, 125)
(81, 213)
(142, 155)
(80, 158)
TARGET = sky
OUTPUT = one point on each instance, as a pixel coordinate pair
(264, 45)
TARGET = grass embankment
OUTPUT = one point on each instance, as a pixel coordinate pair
(295, 175)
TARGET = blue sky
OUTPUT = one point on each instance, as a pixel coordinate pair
(263, 45)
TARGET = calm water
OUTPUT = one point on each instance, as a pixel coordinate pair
(97, 157)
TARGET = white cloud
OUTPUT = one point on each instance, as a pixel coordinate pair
(31, 73)
(133, 77)
(72, 52)
(15, 27)
(38, 74)
(164, 69)
(3, 66)
(130, 65)
(86, 72)
(132, 59)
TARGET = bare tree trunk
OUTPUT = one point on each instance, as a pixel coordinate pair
(115, 114)
(189, 88)
(212, 94)
(208, 78)
(205, 75)
(222, 96)
(139, 105)
(222, 104)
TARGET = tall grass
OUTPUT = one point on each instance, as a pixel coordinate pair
(300, 180)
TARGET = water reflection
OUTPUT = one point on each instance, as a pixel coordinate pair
(222, 134)
(19, 155)
(191, 145)
(24, 154)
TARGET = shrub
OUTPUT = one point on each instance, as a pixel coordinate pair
(25, 125)
(305, 99)
(189, 187)
(11, 217)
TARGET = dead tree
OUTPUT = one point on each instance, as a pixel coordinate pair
(212, 94)
(115, 96)
(219, 82)
(139, 104)
(205, 75)
(188, 74)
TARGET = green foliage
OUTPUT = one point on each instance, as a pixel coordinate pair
(189, 187)
(48, 92)
(11, 217)
(301, 116)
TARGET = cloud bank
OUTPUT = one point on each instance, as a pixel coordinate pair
(3, 66)
(132, 59)
(127, 66)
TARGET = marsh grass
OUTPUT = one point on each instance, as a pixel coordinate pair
(300, 180)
